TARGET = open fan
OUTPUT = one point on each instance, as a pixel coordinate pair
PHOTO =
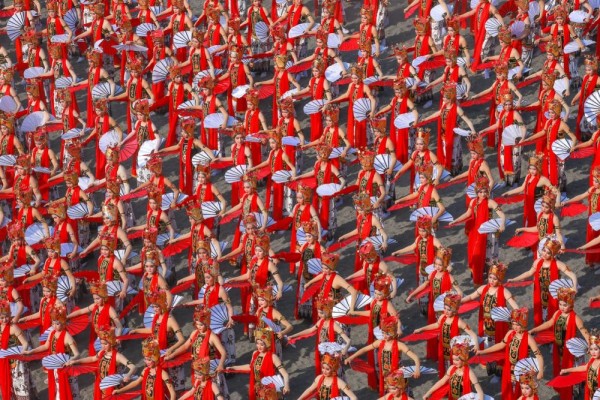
(167, 200)
(8, 105)
(334, 72)
(16, 25)
(131, 47)
(149, 317)
(500, 314)
(281, 176)
(35, 233)
(35, 120)
(73, 133)
(314, 265)
(512, 135)
(409, 371)
(370, 80)
(561, 86)
(290, 141)
(461, 91)
(275, 380)
(186, 105)
(235, 174)
(115, 287)
(438, 13)
(298, 30)
(114, 380)
(120, 254)
(210, 209)
(462, 132)
(62, 38)
(361, 108)
(262, 31)
(573, 46)
(67, 248)
(212, 50)
(201, 158)
(462, 339)
(142, 30)
(33, 72)
(328, 189)
(492, 26)
(382, 164)
(594, 221)
(105, 89)
(418, 61)
(213, 248)
(161, 70)
(14, 309)
(525, 365)
(591, 107)
(218, 318)
(578, 17)
(109, 139)
(289, 93)
(404, 121)
(55, 361)
(559, 284)
(333, 41)
(474, 396)
(71, 19)
(63, 82)
(63, 289)
(182, 39)
(41, 170)
(240, 91)
(164, 238)
(78, 211)
(286, 288)
(271, 324)
(493, 225)
(596, 395)
(438, 304)
(378, 241)
(213, 121)
(517, 28)
(146, 150)
(577, 346)
(84, 183)
(7, 160)
(313, 107)
(11, 351)
(430, 212)
(22, 270)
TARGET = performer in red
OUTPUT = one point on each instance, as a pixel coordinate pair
(264, 363)
(400, 104)
(103, 123)
(439, 281)
(108, 360)
(327, 384)
(96, 74)
(357, 131)
(591, 367)
(517, 343)
(289, 126)
(179, 22)
(589, 85)
(545, 270)
(60, 384)
(532, 188)
(449, 326)
(529, 386)
(210, 105)
(14, 382)
(238, 74)
(554, 128)
(155, 381)
(494, 294)
(204, 386)
(483, 247)
(459, 377)
(397, 386)
(449, 146)
(564, 323)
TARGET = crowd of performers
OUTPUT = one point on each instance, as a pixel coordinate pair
(68, 224)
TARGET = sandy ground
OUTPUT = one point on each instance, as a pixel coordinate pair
(299, 361)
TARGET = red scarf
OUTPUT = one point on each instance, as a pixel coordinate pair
(446, 160)
(567, 360)
(478, 241)
(529, 216)
(266, 369)
(99, 317)
(163, 328)
(454, 331)
(159, 388)
(64, 387)
(5, 370)
(523, 352)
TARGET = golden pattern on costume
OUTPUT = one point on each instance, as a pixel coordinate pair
(545, 285)
(456, 386)
(489, 301)
(560, 329)
(592, 378)
(513, 354)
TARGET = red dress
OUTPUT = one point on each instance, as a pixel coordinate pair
(57, 346)
(399, 136)
(317, 92)
(513, 352)
(564, 328)
(275, 191)
(593, 207)
(541, 279)
(478, 241)
(357, 131)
